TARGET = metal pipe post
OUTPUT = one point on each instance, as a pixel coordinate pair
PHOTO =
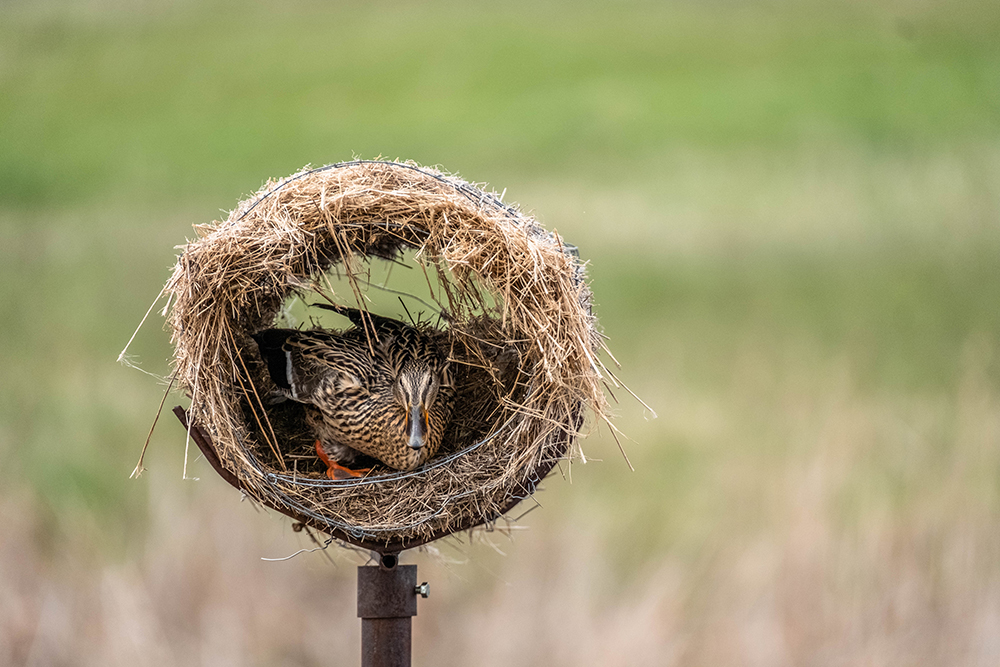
(387, 601)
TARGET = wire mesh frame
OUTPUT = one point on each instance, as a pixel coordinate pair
(368, 539)
(373, 538)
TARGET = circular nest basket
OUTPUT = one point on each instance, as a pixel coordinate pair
(518, 329)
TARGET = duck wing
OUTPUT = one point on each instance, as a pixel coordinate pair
(308, 365)
(398, 342)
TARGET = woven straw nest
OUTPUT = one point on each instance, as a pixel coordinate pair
(517, 325)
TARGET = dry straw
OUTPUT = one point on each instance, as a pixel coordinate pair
(517, 325)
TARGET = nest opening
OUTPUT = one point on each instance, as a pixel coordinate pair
(513, 317)
(281, 441)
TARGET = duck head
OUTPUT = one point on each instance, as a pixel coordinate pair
(415, 390)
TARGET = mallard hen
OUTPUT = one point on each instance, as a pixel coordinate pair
(386, 394)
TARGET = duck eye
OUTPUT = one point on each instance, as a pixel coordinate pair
(398, 391)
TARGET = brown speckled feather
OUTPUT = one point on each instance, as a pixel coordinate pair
(357, 390)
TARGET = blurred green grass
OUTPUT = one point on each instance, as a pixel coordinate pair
(200, 101)
(119, 128)
(790, 210)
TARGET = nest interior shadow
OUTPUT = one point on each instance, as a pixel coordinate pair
(518, 329)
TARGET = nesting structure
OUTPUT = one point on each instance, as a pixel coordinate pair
(518, 329)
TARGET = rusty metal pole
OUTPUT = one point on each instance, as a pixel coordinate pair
(387, 601)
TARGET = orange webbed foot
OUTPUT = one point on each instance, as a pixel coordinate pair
(336, 471)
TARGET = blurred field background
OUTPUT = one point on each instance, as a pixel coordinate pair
(792, 214)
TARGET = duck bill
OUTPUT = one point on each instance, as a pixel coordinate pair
(418, 427)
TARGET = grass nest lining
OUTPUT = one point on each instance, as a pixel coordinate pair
(519, 331)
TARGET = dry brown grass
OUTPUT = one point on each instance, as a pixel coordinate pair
(801, 555)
